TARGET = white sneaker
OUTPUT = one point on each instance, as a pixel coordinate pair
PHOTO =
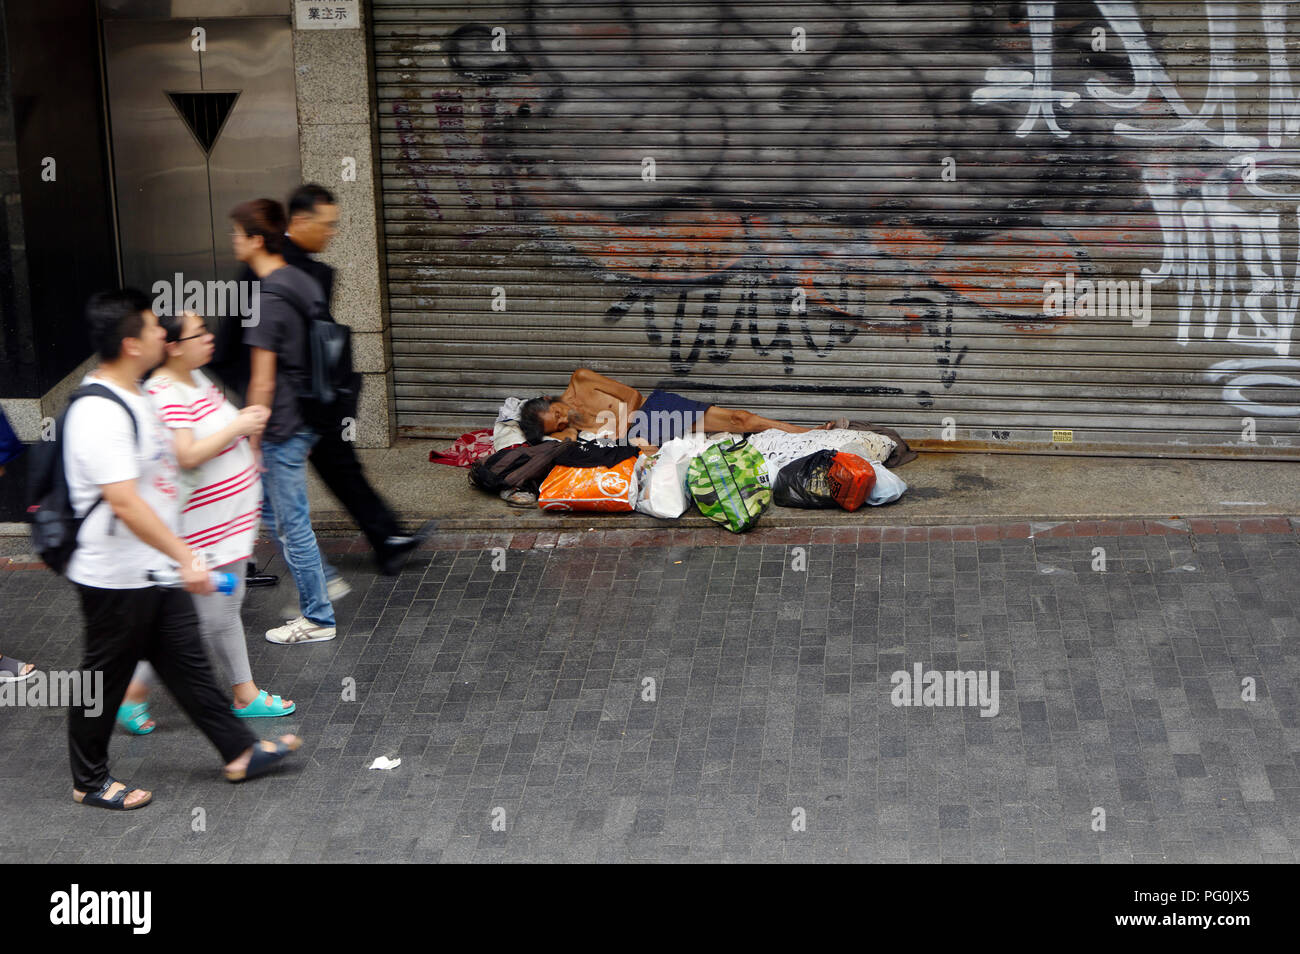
(300, 630)
(336, 589)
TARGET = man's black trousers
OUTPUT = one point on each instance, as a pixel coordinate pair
(336, 461)
(160, 625)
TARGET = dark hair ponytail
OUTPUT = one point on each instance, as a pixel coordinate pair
(264, 217)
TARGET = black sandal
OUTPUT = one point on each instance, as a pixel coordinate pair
(11, 670)
(262, 761)
(118, 802)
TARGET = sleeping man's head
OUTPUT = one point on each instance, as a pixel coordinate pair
(542, 416)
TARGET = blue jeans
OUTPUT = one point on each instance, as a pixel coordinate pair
(286, 515)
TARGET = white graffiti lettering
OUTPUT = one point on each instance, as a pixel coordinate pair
(1222, 255)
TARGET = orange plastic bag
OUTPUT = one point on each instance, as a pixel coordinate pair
(606, 489)
(851, 479)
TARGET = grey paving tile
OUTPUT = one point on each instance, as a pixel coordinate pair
(518, 697)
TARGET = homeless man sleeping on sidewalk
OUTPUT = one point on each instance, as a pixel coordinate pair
(593, 402)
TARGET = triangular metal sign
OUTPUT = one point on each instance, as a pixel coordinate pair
(205, 114)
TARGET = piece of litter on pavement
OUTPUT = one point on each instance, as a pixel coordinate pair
(384, 762)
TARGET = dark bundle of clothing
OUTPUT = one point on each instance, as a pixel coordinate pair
(902, 453)
(582, 453)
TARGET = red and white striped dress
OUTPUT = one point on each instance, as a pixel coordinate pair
(220, 512)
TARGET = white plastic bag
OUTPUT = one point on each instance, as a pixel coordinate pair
(888, 487)
(661, 481)
(661, 478)
(506, 432)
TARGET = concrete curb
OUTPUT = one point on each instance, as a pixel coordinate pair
(777, 517)
(334, 523)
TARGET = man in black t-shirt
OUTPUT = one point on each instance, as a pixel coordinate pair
(313, 223)
(277, 343)
(281, 329)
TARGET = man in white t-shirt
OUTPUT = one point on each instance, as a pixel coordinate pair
(128, 534)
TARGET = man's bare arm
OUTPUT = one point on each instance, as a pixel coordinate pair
(588, 380)
(261, 387)
(148, 527)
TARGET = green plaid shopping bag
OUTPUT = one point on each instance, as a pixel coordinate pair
(730, 485)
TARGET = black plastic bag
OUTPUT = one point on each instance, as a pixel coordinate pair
(805, 482)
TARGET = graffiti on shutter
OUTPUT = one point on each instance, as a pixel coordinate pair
(855, 174)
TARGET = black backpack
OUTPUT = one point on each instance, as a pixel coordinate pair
(332, 389)
(55, 524)
(522, 467)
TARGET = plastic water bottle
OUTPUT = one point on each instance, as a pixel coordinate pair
(224, 583)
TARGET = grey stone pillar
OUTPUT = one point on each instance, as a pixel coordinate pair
(335, 82)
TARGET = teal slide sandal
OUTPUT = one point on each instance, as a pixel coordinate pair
(264, 706)
(133, 716)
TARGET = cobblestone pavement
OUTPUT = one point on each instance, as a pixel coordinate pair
(511, 675)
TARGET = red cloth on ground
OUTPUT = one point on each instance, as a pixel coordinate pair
(468, 448)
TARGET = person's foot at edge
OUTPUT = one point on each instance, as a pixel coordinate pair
(395, 551)
(236, 770)
(135, 798)
(243, 768)
(14, 670)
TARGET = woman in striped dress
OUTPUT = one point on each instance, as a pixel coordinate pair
(222, 494)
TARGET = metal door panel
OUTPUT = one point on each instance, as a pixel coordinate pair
(257, 153)
(173, 200)
(171, 9)
(158, 166)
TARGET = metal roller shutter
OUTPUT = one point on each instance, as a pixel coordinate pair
(853, 209)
